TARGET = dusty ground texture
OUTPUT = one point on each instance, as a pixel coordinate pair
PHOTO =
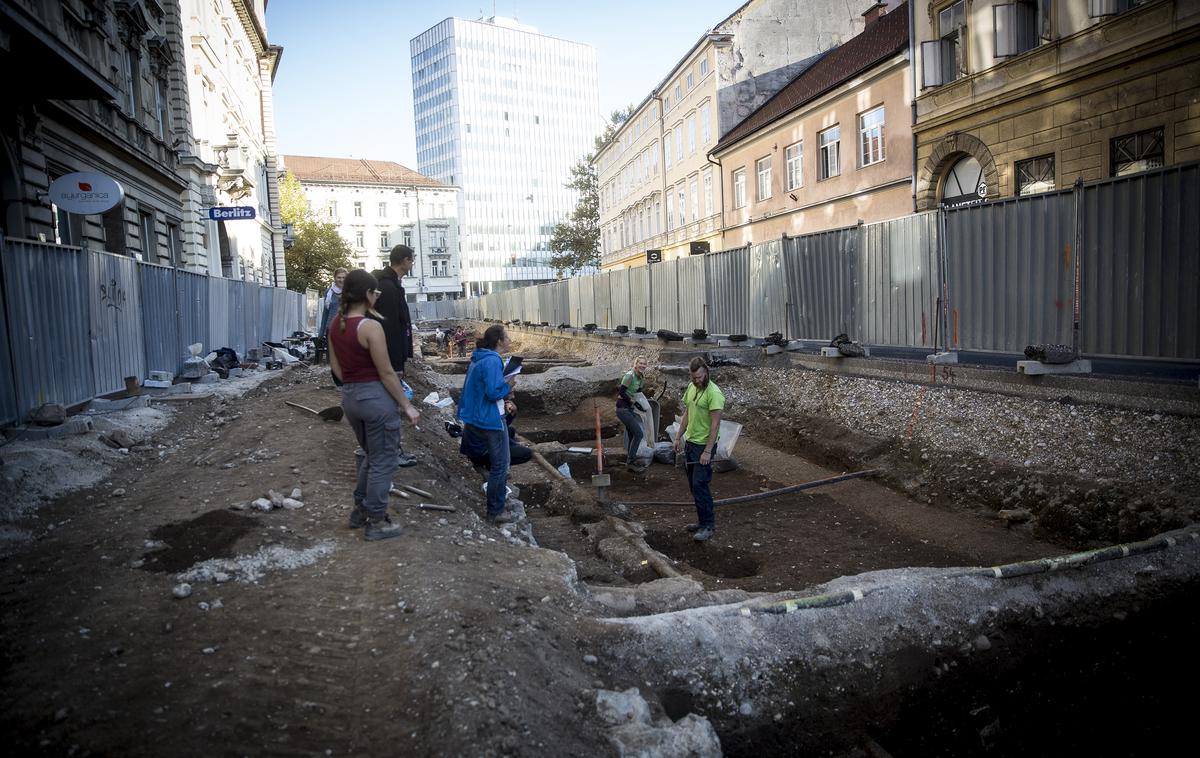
(463, 639)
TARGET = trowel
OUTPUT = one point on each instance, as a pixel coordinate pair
(332, 413)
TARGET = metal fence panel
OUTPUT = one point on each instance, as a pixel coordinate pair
(163, 346)
(1141, 265)
(601, 294)
(896, 282)
(664, 296)
(532, 310)
(821, 272)
(116, 323)
(9, 413)
(639, 297)
(727, 291)
(191, 297)
(768, 306)
(692, 293)
(1009, 280)
(251, 323)
(618, 297)
(51, 355)
(220, 306)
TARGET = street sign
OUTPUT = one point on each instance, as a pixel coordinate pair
(231, 214)
(698, 248)
(654, 256)
(86, 193)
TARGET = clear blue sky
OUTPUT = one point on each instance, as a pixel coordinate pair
(344, 85)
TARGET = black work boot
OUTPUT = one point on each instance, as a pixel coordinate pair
(381, 529)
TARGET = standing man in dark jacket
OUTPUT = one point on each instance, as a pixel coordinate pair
(397, 323)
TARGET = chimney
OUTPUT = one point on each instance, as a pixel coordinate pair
(874, 13)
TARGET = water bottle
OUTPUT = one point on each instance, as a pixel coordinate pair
(408, 392)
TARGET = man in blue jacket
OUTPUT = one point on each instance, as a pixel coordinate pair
(481, 411)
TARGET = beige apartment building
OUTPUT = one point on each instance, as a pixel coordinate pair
(832, 148)
(658, 189)
(1026, 96)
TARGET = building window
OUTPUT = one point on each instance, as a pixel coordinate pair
(691, 81)
(358, 210)
(691, 133)
(703, 66)
(678, 92)
(943, 60)
(695, 188)
(739, 188)
(1101, 8)
(160, 108)
(762, 168)
(333, 209)
(666, 103)
(793, 157)
(405, 208)
(131, 77)
(1020, 26)
(1035, 175)
(708, 203)
(406, 237)
(870, 137)
(829, 142)
(149, 238)
(655, 217)
(670, 208)
(1137, 152)
(667, 151)
(384, 241)
(358, 240)
(679, 142)
(682, 205)
(705, 129)
(173, 243)
(383, 210)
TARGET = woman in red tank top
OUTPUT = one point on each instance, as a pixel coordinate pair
(372, 399)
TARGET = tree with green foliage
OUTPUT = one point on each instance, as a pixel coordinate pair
(317, 250)
(576, 241)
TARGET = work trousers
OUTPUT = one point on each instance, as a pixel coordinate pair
(375, 419)
(498, 459)
(633, 432)
(699, 478)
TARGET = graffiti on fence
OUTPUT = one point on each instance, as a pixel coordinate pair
(112, 295)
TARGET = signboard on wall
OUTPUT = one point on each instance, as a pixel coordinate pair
(654, 256)
(232, 214)
(86, 193)
(698, 248)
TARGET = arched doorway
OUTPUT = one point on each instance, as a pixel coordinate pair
(964, 183)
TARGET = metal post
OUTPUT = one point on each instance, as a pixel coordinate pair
(1076, 308)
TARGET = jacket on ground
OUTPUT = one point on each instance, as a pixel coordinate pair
(483, 387)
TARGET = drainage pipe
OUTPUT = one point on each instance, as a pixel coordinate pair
(771, 493)
(652, 556)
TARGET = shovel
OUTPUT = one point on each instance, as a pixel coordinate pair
(333, 413)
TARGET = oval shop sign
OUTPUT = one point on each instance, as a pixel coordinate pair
(86, 192)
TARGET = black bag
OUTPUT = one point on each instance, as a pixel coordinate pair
(1050, 353)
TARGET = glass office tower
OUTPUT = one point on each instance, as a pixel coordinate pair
(503, 112)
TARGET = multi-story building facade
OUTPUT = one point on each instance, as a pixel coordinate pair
(379, 204)
(94, 87)
(832, 148)
(1027, 96)
(230, 158)
(504, 113)
(658, 189)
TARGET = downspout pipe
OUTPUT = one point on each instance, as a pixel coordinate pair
(912, 69)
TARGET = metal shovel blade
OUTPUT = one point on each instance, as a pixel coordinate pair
(333, 413)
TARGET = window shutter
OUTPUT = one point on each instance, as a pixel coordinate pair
(931, 63)
(1004, 30)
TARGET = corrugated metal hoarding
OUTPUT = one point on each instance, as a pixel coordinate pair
(727, 291)
(767, 307)
(8, 383)
(821, 274)
(48, 304)
(664, 296)
(692, 293)
(600, 297)
(618, 296)
(1009, 274)
(639, 297)
(896, 282)
(1141, 265)
(251, 324)
(191, 297)
(116, 323)
(165, 350)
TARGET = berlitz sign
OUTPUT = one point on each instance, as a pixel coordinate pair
(230, 214)
(86, 193)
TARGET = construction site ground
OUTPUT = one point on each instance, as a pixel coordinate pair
(461, 638)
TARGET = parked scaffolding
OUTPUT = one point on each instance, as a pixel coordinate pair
(75, 322)
(1005, 277)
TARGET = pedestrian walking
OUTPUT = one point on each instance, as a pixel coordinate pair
(372, 399)
(628, 392)
(392, 305)
(333, 297)
(703, 404)
(479, 410)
